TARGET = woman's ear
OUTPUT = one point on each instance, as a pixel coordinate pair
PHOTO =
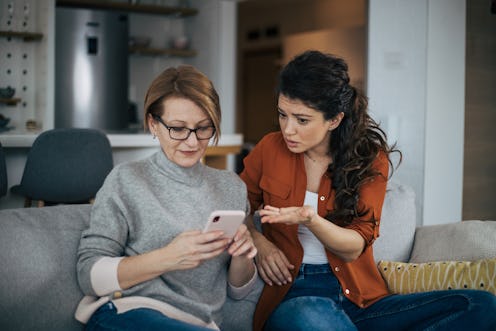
(335, 121)
(151, 124)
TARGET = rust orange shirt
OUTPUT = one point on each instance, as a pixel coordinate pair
(276, 176)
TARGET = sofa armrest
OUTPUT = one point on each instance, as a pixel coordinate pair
(462, 241)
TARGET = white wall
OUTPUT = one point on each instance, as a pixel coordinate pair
(445, 112)
(214, 35)
(416, 87)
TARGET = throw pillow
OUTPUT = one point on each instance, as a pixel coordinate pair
(404, 278)
(461, 241)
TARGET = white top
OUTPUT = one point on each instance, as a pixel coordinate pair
(313, 250)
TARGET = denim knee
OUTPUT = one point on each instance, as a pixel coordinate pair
(308, 313)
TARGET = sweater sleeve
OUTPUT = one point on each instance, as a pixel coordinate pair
(104, 278)
(106, 236)
(238, 293)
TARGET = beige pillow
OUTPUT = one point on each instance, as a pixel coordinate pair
(403, 278)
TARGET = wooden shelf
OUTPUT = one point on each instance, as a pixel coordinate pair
(10, 102)
(27, 36)
(128, 7)
(162, 51)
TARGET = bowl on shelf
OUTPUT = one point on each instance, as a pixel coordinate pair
(179, 42)
(7, 92)
(139, 41)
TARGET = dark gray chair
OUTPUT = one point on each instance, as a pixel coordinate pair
(65, 166)
(3, 173)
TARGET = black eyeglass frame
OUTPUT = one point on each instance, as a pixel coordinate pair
(159, 119)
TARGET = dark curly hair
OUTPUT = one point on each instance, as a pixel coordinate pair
(321, 82)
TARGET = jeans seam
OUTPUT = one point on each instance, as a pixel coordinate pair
(452, 316)
(409, 307)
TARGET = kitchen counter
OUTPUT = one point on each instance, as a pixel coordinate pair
(138, 145)
(117, 140)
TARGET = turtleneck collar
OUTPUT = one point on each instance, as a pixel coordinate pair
(191, 176)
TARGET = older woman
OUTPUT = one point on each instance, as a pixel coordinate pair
(143, 262)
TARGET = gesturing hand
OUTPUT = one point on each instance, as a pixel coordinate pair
(289, 215)
(190, 248)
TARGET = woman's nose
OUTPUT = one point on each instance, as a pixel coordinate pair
(288, 127)
(192, 140)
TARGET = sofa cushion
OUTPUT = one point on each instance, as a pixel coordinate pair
(404, 278)
(461, 241)
(398, 222)
(38, 288)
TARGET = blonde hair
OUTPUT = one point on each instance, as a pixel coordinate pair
(186, 82)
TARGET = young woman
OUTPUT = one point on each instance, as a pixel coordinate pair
(144, 263)
(320, 184)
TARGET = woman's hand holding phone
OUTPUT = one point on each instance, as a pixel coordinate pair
(231, 223)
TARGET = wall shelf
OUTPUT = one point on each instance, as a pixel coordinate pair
(10, 101)
(128, 7)
(26, 36)
(162, 51)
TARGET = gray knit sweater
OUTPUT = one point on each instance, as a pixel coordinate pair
(142, 206)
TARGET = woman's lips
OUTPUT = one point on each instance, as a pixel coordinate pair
(291, 144)
(189, 153)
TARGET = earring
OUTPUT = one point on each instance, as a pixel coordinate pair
(154, 136)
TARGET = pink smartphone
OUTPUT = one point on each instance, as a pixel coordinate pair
(225, 220)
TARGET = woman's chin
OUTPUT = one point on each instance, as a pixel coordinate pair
(187, 163)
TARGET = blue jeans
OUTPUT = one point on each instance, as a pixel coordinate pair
(316, 302)
(106, 318)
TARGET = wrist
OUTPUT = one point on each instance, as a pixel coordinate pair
(311, 220)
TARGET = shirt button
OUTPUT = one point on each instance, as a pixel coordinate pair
(117, 295)
(336, 269)
(347, 291)
(322, 198)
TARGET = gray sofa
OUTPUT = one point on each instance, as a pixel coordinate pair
(39, 290)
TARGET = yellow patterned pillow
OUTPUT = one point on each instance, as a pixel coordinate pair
(403, 278)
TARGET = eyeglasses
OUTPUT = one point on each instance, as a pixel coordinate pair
(182, 133)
